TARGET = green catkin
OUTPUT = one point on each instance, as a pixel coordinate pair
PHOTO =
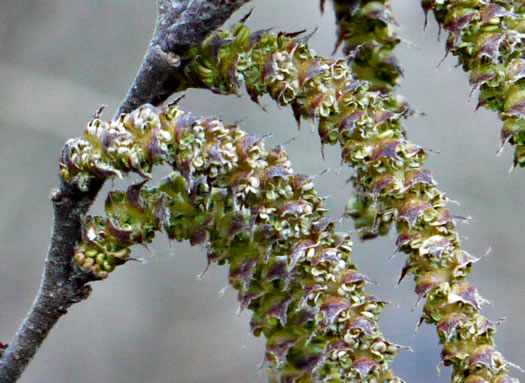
(368, 32)
(487, 38)
(367, 29)
(394, 186)
(246, 206)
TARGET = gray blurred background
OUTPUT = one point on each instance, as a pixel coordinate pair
(156, 321)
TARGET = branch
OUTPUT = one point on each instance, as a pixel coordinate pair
(62, 284)
(180, 25)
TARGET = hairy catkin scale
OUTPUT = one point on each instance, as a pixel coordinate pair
(245, 204)
(394, 187)
(487, 37)
(368, 32)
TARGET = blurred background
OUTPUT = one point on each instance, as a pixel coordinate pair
(156, 321)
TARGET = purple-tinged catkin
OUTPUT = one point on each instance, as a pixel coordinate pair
(244, 203)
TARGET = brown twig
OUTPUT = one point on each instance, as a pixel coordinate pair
(180, 25)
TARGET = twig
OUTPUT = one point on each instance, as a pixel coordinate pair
(180, 25)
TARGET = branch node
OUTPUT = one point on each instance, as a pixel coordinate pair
(168, 58)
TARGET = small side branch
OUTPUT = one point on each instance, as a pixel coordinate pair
(180, 25)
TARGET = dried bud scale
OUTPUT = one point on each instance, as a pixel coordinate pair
(393, 186)
(487, 38)
(368, 32)
(246, 205)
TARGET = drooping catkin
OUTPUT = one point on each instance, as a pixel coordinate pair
(487, 38)
(394, 186)
(367, 31)
(246, 206)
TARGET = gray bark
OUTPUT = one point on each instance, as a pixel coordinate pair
(180, 26)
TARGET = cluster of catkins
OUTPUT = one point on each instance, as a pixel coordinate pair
(245, 204)
(368, 32)
(487, 36)
(393, 187)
